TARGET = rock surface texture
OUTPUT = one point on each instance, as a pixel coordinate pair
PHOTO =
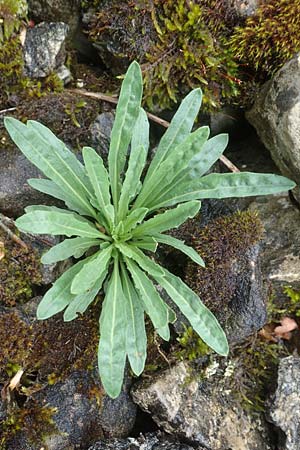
(280, 255)
(67, 11)
(151, 441)
(44, 49)
(285, 406)
(276, 117)
(199, 411)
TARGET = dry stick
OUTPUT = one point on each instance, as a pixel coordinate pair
(162, 122)
(12, 235)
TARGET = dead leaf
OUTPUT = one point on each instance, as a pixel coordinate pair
(2, 252)
(284, 330)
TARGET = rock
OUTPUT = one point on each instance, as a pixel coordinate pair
(199, 411)
(285, 405)
(243, 8)
(275, 115)
(67, 11)
(231, 285)
(44, 49)
(65, 405)
(151, 441)
(280, 254)
(100, 131)
(64, 74)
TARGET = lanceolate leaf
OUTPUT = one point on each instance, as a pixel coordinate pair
(208, 155)
(201, 319)
(59, 295)
(81, 302)
(167, 220)
(179, 128)
(172, 167)
(91, 272)
(146, 243)
(179, 245)
(58, 223)
(136, 338)
(227, 185)
(127, 113)
(112, 345)
(134, 217)
(99, 179)
(129, 190)
(56, 162)
(69, 247)
(140, 134)
(153, 304)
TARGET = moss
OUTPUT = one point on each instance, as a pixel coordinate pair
(269, 39)
(19, 273)
(191, 346)
(188, 54)
(11, 14)
(34, 422)
(219, 244)
(37, 346)
(177, 44)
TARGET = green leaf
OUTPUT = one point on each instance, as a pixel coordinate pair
(178, 130)
(146, 243)
(200, 317)
(53, 158)
(172, 168)
(164, 332)
(169, 219)
(140, 135)
(153, 304)
(69, 247)
(91, 272)
(138, 256)
(127, 112)
(58, 223)
(134, 217)
(179, 245)
(208, 155)
(226, 185)
(98, 176)
(59, 295)
(136, 338)
(81, 302)
(112, 345)
(131, 183)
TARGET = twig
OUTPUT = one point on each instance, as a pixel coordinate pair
(3, 111)
(162, 122)
(12, 235)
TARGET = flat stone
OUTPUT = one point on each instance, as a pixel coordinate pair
(199, 411)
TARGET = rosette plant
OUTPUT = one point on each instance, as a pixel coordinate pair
(119, 215)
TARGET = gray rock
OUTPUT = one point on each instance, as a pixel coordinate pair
(285, 406)
(247, 308)
(243, 8)
(276, 117)
(100, 131)
(80, 420)
(44, 49)
(199, 411)
(280, 254)
(15, 193)
(151, 441)
(64, 74)
(67, 11)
